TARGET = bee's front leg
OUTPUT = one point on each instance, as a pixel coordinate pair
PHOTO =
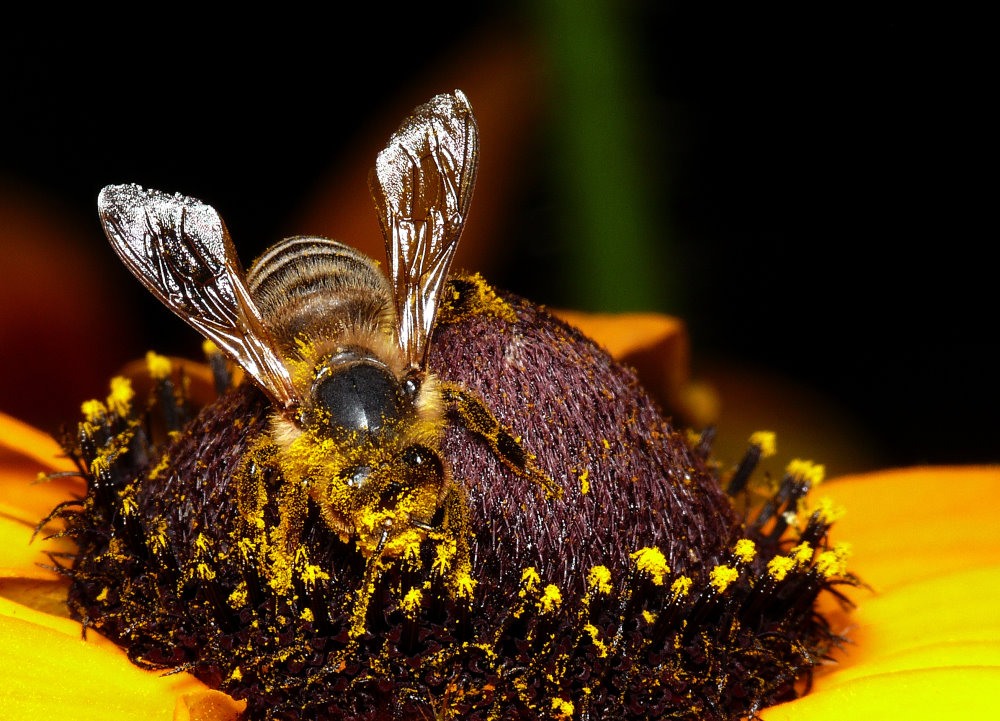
(475, 416)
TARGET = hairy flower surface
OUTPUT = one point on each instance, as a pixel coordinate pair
(559, 592)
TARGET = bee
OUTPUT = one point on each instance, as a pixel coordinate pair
(340, 350)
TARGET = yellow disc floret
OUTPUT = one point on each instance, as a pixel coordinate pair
(157, 365)
(551, 599)
(120, 398)
(529, 579)
(652, 561)
(680, 587)
(745, 550)
(599, 579)
(779, 566)
(807, 471)
(722, 577)
(766, 441)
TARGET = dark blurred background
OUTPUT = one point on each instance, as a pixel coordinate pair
(796, 184)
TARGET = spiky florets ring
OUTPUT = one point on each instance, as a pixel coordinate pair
(644, 592)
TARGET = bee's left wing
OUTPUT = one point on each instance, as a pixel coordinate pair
(180, 249)
(422, 184)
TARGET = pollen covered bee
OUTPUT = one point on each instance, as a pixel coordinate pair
(340, 350)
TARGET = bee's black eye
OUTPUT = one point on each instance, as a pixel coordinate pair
(359, 398)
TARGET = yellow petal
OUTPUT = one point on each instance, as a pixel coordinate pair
(49, 672)
(919, 522)
(930, 694)
(926, 641)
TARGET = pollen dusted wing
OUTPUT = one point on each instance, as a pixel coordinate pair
(180, 249)
(422, 184)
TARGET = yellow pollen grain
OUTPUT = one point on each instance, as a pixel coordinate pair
(204, 572)
(779, 566)
(157, 365)
(802, 553)
(530, 579)
(464, 585)
(829, 512)
(551, 599)
(93, 410)
(312, 574)
(595, 638)
(766, 441)
(843, 549)
(745, 550)
(209, 348)
(584, 483)
(599, 578)
(236, 675)
(129, 505)
(444, 556)
(411, 602)
(103, 595)
(201, 543)
(649, 617)
(807, 471)
(651, 561)
(120, 399)
(607, 446)
(722, 577)
(307, 615)
(238, 598)
(829, 564)
(680, 587)
(562, 708)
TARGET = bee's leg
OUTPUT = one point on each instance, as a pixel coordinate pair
(454, 529)
(480, 420)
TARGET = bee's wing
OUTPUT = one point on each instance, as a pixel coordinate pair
(422, 183)
(180, 249)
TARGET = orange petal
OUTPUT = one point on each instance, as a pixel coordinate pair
(49, 669)
(25, 452)
(208, 706)
(20, 439)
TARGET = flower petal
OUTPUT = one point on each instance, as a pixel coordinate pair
(932, 694)
(48, 669)
(208, 706)
(20, 439)
(925, 643)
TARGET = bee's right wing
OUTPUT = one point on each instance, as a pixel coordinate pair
(180, 249)
(422, 184)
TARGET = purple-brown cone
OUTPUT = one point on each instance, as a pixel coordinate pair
(564, 620)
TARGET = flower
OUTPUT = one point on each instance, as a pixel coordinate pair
(924, 642)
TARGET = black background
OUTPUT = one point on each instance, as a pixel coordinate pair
(817, 172)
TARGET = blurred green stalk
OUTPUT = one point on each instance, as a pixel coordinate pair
(618, 249)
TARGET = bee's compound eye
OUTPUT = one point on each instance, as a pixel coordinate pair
(359, 398)
(423, 459)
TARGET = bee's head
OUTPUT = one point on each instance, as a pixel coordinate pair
(399, 500)
(356, 397)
